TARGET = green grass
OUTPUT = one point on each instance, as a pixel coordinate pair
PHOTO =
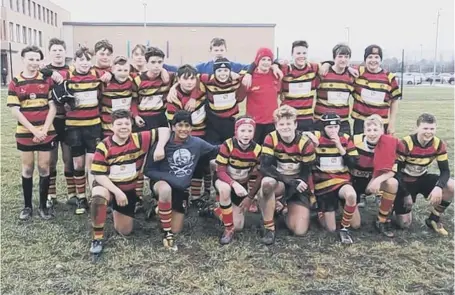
(52, 257)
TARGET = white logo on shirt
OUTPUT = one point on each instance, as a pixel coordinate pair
(181, 162)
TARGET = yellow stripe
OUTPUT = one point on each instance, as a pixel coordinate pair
(117, 93)
(226, 211)
(335, 85)
(299, 96)
(99, 168)
(101, 146)
(123, 158)
(221, 159)
(443, 157)
(83, 86)
(328, 183)
(230, 145)
(83, 122)
(22, 130)
(327, 150)
(310, 158)
(274, 136)
(135, 137)
(240, 164)
(267, 151)
(358, 140)
(257, 150)
(13, 99)
(309, 76)
(34, 103)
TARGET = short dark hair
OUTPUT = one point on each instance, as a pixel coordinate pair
(186, 71)
(217, 42)
(139, 47)
(120, 114)
(104, 45)
(153, 51)
(182, 116)
(83, 52)
(426, 118)
(299, 43)
(32, 48)
(341, 49)
(56, 41)
(120, 60)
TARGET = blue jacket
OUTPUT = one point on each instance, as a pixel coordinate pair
(180, 161)
(207, 67)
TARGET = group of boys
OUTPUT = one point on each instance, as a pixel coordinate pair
(179, 127)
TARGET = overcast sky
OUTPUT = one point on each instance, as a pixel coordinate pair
(392, 24)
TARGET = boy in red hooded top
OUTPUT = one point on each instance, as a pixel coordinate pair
(262, 96)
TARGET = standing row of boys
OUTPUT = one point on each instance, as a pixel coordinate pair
(303, 155)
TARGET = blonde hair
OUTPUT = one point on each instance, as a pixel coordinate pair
(285, 111)
(374, 119)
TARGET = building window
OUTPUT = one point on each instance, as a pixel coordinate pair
(24, 35)
(48, 16)
(34, 10)
(4, 30)
(55, 20)
(29, 5)
(11, 6)
(11, 32)
(18, 33)
(1, 31)
(23, 7)
(17, 6)
(34, 37)
(52, 18)
(29, 36)
(40, 39)
(39, 11)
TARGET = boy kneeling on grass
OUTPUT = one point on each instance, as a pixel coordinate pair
(117, 162)
(171, 178)
(416, 152)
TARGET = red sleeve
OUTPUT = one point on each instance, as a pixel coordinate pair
(204, 78)
(148, 138)
(13, 98)
(100, 166)
(135, 99)
(222, 161)
(241, 92)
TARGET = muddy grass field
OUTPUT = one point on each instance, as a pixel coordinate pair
(39, 257)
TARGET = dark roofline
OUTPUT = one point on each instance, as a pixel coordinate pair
(137, 24)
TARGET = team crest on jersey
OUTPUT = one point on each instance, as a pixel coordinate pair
(32, 95)
(41, 86)
(122, 168)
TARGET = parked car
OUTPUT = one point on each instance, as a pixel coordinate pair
(434, 78)
(408, 78)
(446, 77)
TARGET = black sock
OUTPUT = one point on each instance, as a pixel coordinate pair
(27, 189)
(43, 190)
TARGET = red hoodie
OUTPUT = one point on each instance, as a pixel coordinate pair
(262, 97)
